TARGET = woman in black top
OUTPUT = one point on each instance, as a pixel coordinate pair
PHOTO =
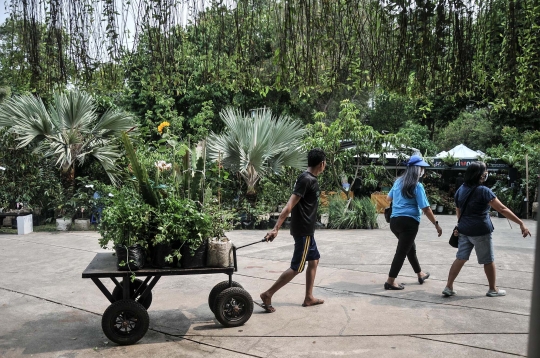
(475, 227)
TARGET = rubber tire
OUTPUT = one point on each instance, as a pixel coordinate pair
(239, 294)
(217, 290)
(118, 293)
(108, 322)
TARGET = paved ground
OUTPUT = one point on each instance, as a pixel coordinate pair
(47, 310)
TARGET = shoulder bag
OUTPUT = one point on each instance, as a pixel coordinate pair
(454, 239)
(388, 212)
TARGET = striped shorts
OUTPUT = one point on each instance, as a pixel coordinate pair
(305, 249)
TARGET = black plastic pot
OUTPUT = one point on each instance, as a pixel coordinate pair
(262, 225)
(158, 254)
(133, 257)
(248, 225)
(198, 260)
(36, 220)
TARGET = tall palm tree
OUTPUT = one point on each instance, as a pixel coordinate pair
(255, 146)
(70, 130)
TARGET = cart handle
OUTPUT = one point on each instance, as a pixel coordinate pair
(253, 243)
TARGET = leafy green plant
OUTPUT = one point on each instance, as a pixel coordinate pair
(351, 213)
(449, 160)
(126, 219)
(370, 212)
(273, 192)
(513, 199)
(179, 220)
(221, 219)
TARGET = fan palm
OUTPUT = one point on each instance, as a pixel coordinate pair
(70, 130)
(255, 146)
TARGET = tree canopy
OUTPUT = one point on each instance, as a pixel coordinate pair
(484, 51)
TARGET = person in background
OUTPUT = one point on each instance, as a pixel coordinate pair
(408, 201)
(459, 181)
(475, 227)
(303, 205)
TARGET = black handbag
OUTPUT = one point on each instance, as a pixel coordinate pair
(388, 213)
(454, 239)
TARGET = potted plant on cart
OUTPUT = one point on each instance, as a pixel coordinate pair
(194, 246)
(126, 223)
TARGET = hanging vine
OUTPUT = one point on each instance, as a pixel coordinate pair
(485, 50)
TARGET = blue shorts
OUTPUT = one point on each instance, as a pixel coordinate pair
(483, 245)
(305, 249)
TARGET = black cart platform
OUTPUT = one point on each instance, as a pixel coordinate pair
(126, 320)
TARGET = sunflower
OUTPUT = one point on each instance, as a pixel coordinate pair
(162, 126)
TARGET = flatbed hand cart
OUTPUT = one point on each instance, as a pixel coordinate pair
(126, 320)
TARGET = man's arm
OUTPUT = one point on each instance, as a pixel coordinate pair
(293, 200)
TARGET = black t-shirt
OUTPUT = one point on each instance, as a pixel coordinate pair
(475, 220)
(304, 214)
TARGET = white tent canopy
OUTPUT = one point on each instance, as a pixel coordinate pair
(461, 152)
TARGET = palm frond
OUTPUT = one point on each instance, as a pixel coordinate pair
(113, 122)
(107, 156)
(255, 146)
(75, 110)
(27, 117)
(69, 130)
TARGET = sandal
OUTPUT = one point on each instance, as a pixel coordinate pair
(267, 308)
(422, 279)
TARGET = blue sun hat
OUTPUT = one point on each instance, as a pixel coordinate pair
(417, 161)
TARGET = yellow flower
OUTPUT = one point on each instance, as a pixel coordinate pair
(162, 126)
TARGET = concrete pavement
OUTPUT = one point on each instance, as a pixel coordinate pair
(47, 310)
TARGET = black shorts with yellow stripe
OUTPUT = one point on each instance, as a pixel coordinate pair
(305, 249)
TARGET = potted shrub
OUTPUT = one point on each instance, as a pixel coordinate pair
(434, 199)
(82, 221)
(325, 216)
(449, 160)
(125, 223)
(193, 249)
(85, 202)
(181, 230)
(64, 215)
(261, 215)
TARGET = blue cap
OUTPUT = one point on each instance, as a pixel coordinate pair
(417, 160)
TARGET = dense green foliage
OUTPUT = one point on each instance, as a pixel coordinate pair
(291, 56)
(429, 74)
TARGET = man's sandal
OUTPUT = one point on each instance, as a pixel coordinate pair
(267, 308)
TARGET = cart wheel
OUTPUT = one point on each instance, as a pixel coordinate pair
(125, 322)
(118, 293)
(217, 290)
(234, 307)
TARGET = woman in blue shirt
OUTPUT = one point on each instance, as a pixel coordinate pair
(475, 227)
(408, 201)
